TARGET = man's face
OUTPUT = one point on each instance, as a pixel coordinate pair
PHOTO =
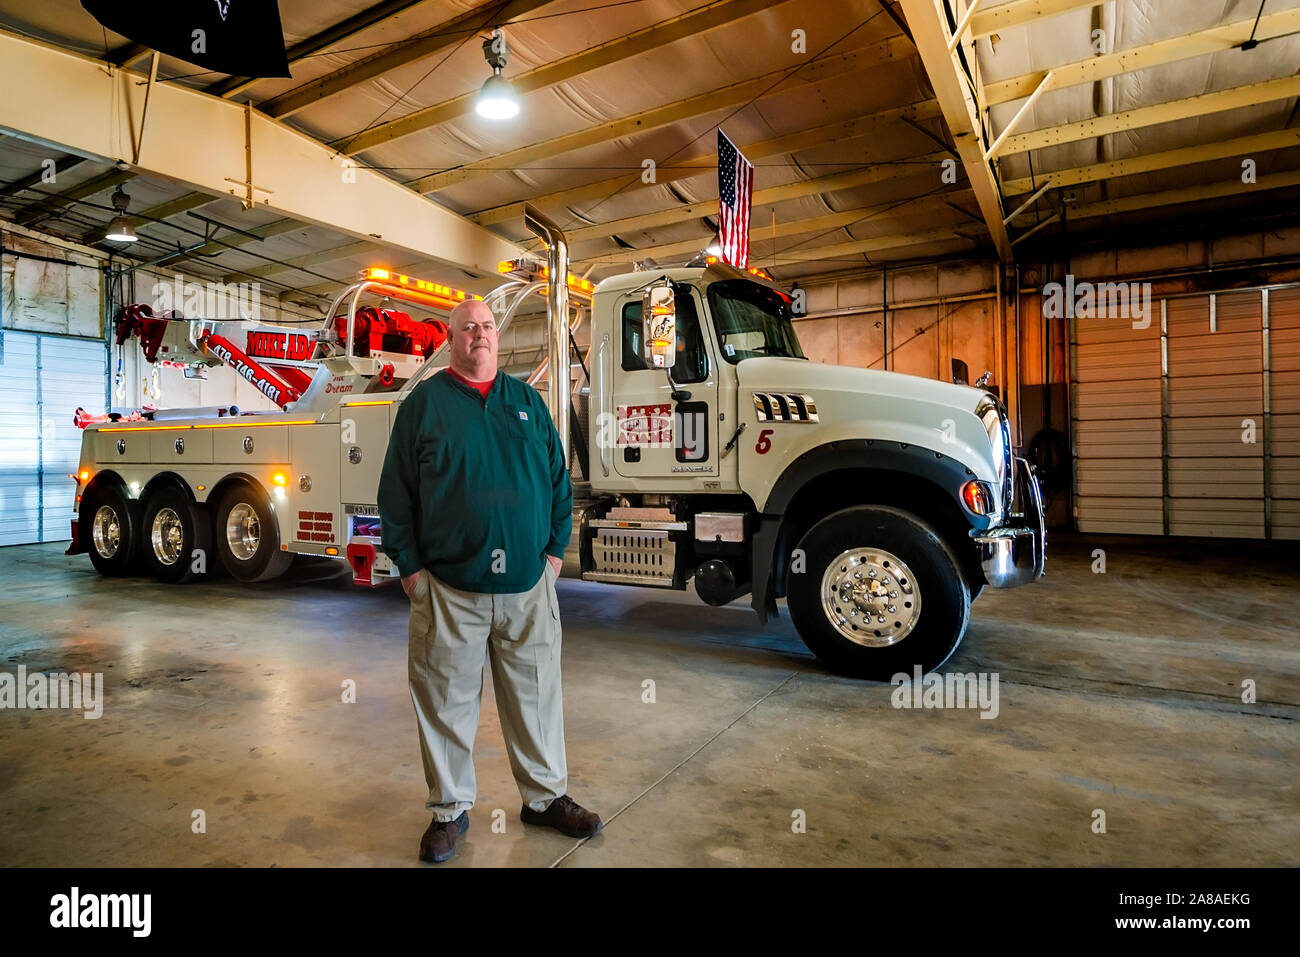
(473, 336)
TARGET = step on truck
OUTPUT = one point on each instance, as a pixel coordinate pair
(709, 453)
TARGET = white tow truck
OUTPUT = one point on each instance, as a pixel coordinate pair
(710, 451)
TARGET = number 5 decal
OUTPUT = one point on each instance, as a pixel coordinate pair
(764, 444)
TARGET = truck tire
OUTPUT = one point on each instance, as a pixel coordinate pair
(891, 564)
(248, 535)
(175, 538)
(109, 524)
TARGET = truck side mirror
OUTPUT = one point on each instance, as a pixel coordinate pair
(659, 326)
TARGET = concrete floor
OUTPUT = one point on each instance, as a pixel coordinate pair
(1118, 691)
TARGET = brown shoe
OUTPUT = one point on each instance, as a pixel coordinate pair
(565, 815)
(439, 841)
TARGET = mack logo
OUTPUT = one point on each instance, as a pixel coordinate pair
(785, 407)
(292, 346)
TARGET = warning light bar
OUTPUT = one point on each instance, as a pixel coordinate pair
(752, 270)
(531, 269)
(417, 290)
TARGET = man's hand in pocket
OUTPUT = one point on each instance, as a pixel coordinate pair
(408, 583)
(556, 564)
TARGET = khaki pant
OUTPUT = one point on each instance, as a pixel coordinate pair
(451, 632)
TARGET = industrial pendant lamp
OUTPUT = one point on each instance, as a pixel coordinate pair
(120, 229)
(496, 100)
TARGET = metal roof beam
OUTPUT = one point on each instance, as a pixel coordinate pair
(701, 104)
(717, 14)
(1021, 12)
(961, 111)
(444, 35)
(829, 221)
(148, 217)
(330, 36)
(234, 240)
(1200, 105)
(309, 260)
(1186, 194)
(52, 204)
(837, 132)
(874, 244)
(214, 146)
(60, 166)
(1212, 40)
(1244, 146)
(850, 179)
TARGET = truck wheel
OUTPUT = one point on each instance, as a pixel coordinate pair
(110, 525)
(879, 593)
(175, 538)
(248, 536)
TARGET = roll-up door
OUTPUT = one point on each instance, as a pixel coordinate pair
(1284, 412)
(1192, 426)
(1115, 409)
(1216, 415)
(20, 440)
(42, 381)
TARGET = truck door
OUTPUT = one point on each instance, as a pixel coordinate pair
(655, 435)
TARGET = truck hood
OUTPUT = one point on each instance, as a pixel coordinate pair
(779, 374)
(917, 415)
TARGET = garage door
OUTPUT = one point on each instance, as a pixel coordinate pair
(1284, 412)
(1192, 425)
(1115, 400)
(42, 381)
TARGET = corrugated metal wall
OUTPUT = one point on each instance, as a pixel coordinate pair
(1284, 412)
(1115, 402)
(42, 381)
(1190, 426)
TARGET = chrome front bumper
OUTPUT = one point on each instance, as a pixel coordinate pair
(1014, 553)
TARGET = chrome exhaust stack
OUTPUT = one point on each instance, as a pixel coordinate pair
(557, 316)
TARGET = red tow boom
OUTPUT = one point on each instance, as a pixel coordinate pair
(269, 384)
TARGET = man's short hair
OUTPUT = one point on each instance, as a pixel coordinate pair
(458, 312)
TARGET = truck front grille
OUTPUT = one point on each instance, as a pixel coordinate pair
(647, 556)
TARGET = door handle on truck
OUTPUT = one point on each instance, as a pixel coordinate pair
(732, 444)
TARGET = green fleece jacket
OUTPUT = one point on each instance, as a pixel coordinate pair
(477, 491)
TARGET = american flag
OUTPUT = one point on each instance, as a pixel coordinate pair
(735, 192)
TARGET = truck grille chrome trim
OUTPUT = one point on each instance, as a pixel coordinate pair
(785, 407)
(1015, 553)
(644, 555)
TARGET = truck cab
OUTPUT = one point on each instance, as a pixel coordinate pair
(878, 504)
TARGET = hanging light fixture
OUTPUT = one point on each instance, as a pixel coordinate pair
(496, 100)
(120, 229)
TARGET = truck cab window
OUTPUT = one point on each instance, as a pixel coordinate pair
(692, 358)
(752, 320)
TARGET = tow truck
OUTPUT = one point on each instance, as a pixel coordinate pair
(708, 452)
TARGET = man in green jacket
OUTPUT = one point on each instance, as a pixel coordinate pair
(476, 510)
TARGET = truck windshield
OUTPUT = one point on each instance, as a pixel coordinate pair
(752, 320)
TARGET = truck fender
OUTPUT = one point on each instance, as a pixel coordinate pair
(769, 560)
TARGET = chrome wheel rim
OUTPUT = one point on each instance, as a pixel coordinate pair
(870, 597)
(243, 531)
(106, 531)
(167, 536)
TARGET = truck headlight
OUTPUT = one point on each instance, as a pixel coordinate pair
(999, 431)
(979, 497)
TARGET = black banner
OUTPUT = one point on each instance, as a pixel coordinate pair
(239, 37)
(1231, 910)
